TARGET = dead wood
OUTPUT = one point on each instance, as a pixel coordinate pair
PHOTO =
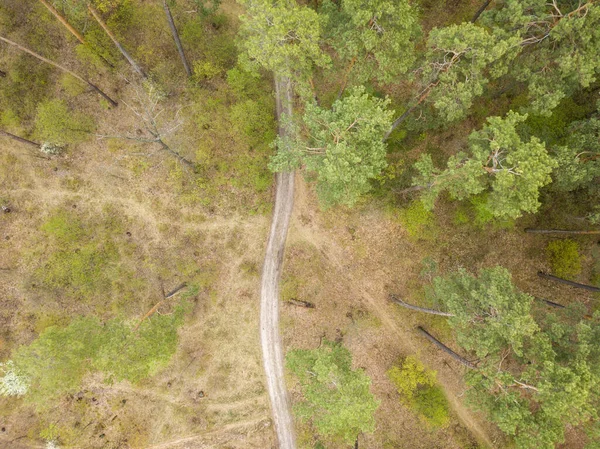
(590, 288)
(300, 303)
(419, 309)
(560, 231)
(446, 349)
(153, 310)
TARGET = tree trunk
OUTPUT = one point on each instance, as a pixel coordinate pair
(300, 303)
(559, 231)
(64, 69)
(69, 27)
(403, 117)
(62, 20)
(175, 153)
(446, 349)
(419, 309)
(345, 79)
(131, 61)
(550, 303)
(20, 139)
(480, 10)
(591, 288)
(186, 66)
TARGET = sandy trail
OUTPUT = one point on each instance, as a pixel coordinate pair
(269, 295)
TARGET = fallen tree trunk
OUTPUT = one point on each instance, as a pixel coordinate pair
(153, 310)
(419, 309)
(590, 288)
(20, 139)
(550, 303)
(64, 69)
(446, 349)
(300, 303)
(64, 21)
(175, 34)
(112, 37)
(69, 27)
(559, 231)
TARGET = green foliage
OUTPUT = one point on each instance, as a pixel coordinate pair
(558, 47)
(579, 160)
(337, 399)
(72, 86)
(460, 59)
(57, 124)
(206, 70)
(82, 260)
(344, 148)
(23, 88)
(564, 258)
(375, 37)
(419, 391)
(57, 361)
(280, 36)
(533, 378)
(207, 7)
(514, 170)
(489, 312)
(418, 221)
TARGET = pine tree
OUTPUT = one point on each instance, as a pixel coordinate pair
(499, 160)
(344, 148)
(282, 37)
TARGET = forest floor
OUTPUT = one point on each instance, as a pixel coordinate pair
(213, 393)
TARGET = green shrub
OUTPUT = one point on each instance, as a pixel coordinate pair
(57, 361)
(419, 391)
(418, 221)
(483, 216)
(564, 258)
(72, 86)
(56, 123)
(206, 70)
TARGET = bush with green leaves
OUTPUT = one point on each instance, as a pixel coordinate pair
(58, 360)
(418, 390)
(336, 398)
(564, 258)
(58, 124)
(80, 259)
(418, 221)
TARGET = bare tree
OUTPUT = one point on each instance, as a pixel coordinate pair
(146, 106)
(58, 66)
(175, 34)
(127, 56)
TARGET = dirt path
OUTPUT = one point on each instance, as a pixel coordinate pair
(269, 293)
